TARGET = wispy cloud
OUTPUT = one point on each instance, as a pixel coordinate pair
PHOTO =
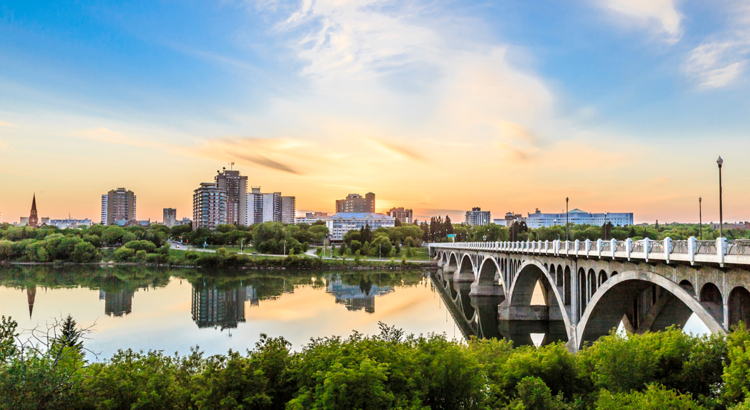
(401, 150)
(660, 15)
(7, 124)
(722, 60)
(274, 154)
(102, 134)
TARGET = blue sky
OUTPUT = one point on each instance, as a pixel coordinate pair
(623, 105)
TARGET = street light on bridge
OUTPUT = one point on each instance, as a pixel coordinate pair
(567, 236)
(700, 217)
(721, 211)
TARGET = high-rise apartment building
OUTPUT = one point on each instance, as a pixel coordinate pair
(170, 216)
(287, 209)
(209, 206)
(105, 200)
(268, 207)
(120, 205)
(477, 217)
(235, 186)
(356, 203)
(405, 216)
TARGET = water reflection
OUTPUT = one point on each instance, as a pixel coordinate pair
(478, 316)
(356, 297)
(178, 308)
(147, 308)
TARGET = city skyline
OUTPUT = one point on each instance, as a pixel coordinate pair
(439, 107)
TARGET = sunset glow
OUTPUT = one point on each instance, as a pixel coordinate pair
(621, 105)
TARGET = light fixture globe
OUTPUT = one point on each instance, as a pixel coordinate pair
(720, 161)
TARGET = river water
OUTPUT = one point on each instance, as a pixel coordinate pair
(145, 308)
(174, 309)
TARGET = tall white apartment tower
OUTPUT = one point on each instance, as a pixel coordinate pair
(105, 200)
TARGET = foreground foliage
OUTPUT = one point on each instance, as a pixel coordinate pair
(652, 371)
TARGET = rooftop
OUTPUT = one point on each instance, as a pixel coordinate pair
(360, 215)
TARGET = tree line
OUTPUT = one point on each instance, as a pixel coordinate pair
(438, 229)
(669, 369)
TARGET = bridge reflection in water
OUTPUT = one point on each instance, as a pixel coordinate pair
(478, 316)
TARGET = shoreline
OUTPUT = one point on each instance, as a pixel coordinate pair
(330, 266)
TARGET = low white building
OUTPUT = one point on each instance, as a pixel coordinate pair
(578, 217)
(341, 223)
(70, 223)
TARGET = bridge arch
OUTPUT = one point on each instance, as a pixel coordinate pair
(712, 299)
(488, 269)
(739, 306)
(592, 284)
(615, 297)
(529, 273)
(566, 287)
(688, 286)
(466, 271)
(582, 299)
(602, 277)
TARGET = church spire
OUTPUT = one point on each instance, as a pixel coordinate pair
(30, 296)
(33, 218)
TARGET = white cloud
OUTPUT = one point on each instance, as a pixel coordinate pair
(720, 61)
(660, 15)
(378, 59)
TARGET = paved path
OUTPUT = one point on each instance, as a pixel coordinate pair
(310, 252)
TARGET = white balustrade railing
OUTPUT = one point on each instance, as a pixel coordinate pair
(691, 250)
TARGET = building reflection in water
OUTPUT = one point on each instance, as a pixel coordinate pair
(356, 297)
(117, 303)
(220, 308)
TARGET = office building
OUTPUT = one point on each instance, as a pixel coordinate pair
(120, 205)
(170, 217)
(477, 217)
(343, 222)
(311, 217)
(509, 219)
(235, 187)
(287, 209)
(354, 203)
(183, 221)
(578, 217)
(405, 216)
(209, 206)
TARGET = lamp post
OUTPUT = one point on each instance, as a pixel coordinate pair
(721, 210)
(567, 236)
(700, 217)
(606, 228)
(284, 248)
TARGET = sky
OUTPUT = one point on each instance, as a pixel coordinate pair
(438, 106)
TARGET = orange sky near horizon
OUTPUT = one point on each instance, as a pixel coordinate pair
(432, 178)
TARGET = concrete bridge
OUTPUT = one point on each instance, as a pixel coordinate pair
(588, 288)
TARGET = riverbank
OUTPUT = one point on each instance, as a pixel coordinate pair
(389, 370)
(278, 263)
